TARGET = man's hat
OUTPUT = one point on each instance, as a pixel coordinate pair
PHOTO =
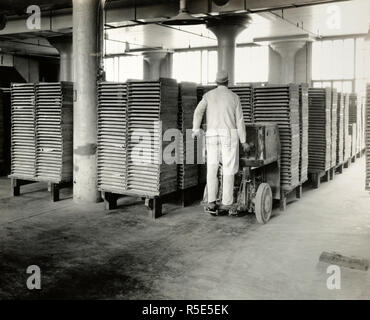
(222, 76)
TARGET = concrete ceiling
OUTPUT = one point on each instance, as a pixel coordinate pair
(326, 20)
(19, 6)
(316, 20)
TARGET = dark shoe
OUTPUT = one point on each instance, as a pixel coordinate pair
(211, 208)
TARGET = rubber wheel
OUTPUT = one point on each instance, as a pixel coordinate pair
(263, 203)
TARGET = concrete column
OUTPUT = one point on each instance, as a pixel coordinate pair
(226, 29)
(85, 66)
(167, 66)
(287, 51)
(65, 48)
(152, 64)
(367, 60)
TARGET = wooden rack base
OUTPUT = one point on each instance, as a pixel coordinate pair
(53, 187)
(339, 168)
(153, 203)
(347, 163)
(321, 176)
(285, 193)
(188, 196)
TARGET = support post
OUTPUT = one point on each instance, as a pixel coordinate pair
(287, 51)
(155, 207)
(65, 48)
(85, 62)
(326, 176)
(226, 29)
(282, 201)
(316, 180)
(16, 188)
(157, 64)
(340, 169)
(331, 173)
(298, 192)
(110, 201)
(346, 164)
(55, 191)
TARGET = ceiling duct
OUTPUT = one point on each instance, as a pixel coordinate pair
(184, 18)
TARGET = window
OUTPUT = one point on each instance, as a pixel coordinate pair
(362, 63)
(340, 64)
(345, 86)
(251, 64)
(333, 59)
(209, 66)
(121, 68)
(187, 66)
(333, 64)
(199, 66)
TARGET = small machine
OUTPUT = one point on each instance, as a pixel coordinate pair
(257, 183)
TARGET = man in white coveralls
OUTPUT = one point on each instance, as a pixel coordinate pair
(225, 127)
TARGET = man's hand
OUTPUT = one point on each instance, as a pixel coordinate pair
(195, 133)
(246, 147)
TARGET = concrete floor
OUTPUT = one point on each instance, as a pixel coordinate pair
(86, 252)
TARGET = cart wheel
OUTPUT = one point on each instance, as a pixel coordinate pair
(263, 203)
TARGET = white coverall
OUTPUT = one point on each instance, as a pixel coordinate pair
(225, 126)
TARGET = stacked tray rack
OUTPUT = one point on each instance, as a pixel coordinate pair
(303, 131)
(367, 136)
(187, 165)
(152, 109)
(362, 121)
(352, 108)
(334, 107)
(280, 104)
(245, 95)
(54, 132)
(4, 131)
(319, 132)
(23, 151)
(340, 129)
(112, 136)
(360, 125)
(353, 138)
(346, 137)
(354, 119)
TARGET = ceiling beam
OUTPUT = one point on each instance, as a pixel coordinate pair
(36, 47)
(153, 11)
